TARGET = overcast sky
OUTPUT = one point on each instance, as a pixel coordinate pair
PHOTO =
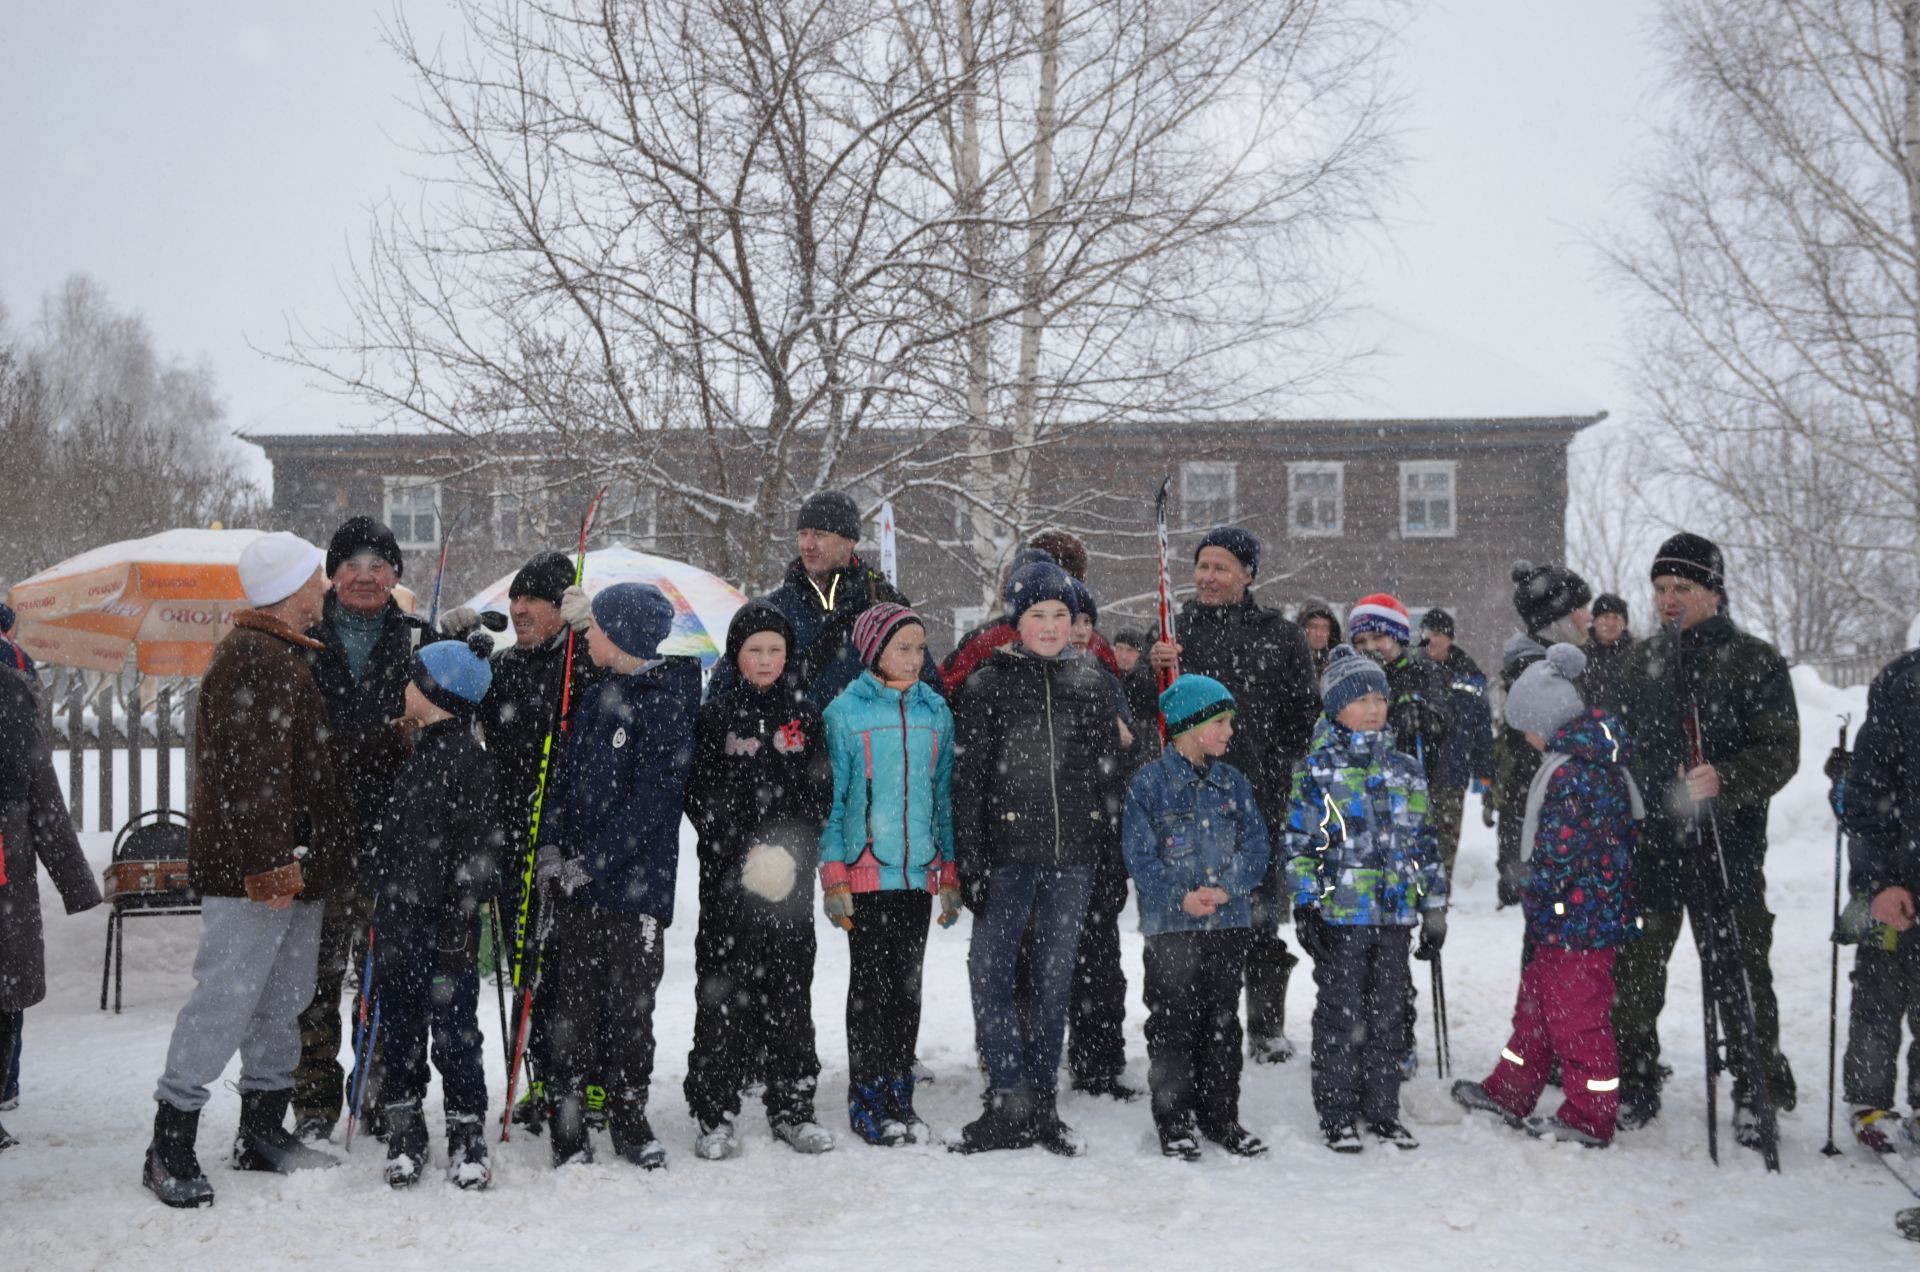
(212, 163)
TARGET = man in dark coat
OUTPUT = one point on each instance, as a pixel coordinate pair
(827, 587)
(269, 844)
(1552, 603)
(1467, 754)
(1750, 746)
(1262, 659)
(362, 663)
(34, 828)
(1606, 648)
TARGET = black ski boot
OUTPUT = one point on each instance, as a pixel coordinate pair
(406, 1144)
(633, 1138)
(1113, 1088)
(1178, 1139)
(1005, 1122)
(264, 1142)
(1234, 1138)
(1050, 1132)
(6, 1141)
(467, 1164)
(172, 1171)
(567, 1120)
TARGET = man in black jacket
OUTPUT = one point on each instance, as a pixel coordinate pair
(362, 667)
(1262, 659)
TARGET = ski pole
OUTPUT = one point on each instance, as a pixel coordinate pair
(361, 1047)
(1442, 1048)
(360, 1087)
(500, 979)
(439, 577)
(1165, 674)
(1833, 962)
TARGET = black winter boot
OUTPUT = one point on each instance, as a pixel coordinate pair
(1006, 1122)
(6, 1141)
(172, 1171)
(406, 1144)
(633, 1138)
(567, 1119)
(264, 1142)
(1050, 1132)
(467, 1164)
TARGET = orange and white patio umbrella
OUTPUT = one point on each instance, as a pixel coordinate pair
(164, 601)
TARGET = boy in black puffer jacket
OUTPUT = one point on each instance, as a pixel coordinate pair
(760, 789)
(1037, 795)
(436, 863)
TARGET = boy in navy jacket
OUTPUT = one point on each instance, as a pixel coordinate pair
(607, 858)
(1196, 846)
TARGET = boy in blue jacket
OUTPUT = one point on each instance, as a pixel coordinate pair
(1363, 870)
(1196, 846)
(607, 858)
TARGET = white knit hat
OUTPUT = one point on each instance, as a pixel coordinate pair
(1547, 694)
(275, 566)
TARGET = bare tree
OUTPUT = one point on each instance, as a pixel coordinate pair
(1780, 274)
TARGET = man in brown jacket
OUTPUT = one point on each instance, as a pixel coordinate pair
(269, 841)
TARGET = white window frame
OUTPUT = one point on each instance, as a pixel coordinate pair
(1317, 468)
(411, 486)
(1209, 468)
(1424, 468)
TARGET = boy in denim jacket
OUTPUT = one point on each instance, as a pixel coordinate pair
(1196, 846)
(1364, 871)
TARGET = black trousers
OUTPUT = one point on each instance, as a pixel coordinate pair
(1359, 1023)
(888, 947)
(1096, 1043)
(602, 972)
(1886, 991)
(1269, 961)
(753, 1009)
(1193, 1024)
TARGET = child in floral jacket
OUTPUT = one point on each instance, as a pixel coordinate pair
(1577, 843)
(1363, 871)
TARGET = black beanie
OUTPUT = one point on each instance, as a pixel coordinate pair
(363, 534)
(751, 619)
(832, 511)
(1545, 594)
(546, 576)
(1244, 544)
(1608, 603)
(1689, 556)
(1437, 620)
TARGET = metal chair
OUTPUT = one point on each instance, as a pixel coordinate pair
(147, 879)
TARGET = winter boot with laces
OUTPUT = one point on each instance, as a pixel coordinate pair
(1234, 1138)
(1552, 1128)
(1007, 1121)
(1392, 1132)
(1473, 1096)
(263, 1141)
(173, 1171)
(899, 1102)
(1050, 1132)
(869, 1115)
(1880, 1131)
(406, 1144)
(633, 1138)
(467, 1164)
(1178, 1138)
(716, 1141)
(1342, 1137)
(567, 1119)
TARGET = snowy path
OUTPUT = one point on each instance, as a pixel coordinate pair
(1475, 1196)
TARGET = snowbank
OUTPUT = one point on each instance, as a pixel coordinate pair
(1475, 1196)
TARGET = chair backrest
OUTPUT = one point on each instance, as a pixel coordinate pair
(153, 841)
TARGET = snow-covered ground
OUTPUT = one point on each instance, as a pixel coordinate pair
(1474, 1196)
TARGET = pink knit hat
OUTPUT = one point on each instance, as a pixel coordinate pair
(876, 626)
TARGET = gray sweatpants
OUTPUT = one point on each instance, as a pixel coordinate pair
(254, 972)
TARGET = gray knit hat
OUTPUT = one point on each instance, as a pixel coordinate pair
(1349, 675)
(1546, 695)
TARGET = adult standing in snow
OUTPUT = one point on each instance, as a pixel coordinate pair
(1606, 647)
(362, 663)
(827, 588)
(1467, 753)
(1552, 603)
(1321, 626)
(1262, 659)
(34, 827)
(269, 843)
(1749, 741)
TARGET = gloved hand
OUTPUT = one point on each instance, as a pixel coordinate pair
(1839, 764)
(1486, 810)
(837, 901)
(577, 608)
(973, 889)
(1433, 934)
(554, 869)
(1310, 929)
(949, 905)
(459, 621)
(1512, 877)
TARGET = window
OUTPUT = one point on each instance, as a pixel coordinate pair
(1206, 495)
(965, 619)
(1426, 499)
(413, 511)
(1316, 500)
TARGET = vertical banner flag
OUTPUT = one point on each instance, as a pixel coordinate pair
(889, 545)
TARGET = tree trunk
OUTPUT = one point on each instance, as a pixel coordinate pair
(1033, 282)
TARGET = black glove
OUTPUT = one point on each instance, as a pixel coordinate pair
(973, 890)
(1433, 934)
(1486, 811)
(1310, 929)
(1512, 877)
(1839, 764)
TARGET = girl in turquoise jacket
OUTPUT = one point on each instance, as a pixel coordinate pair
(886, 852)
